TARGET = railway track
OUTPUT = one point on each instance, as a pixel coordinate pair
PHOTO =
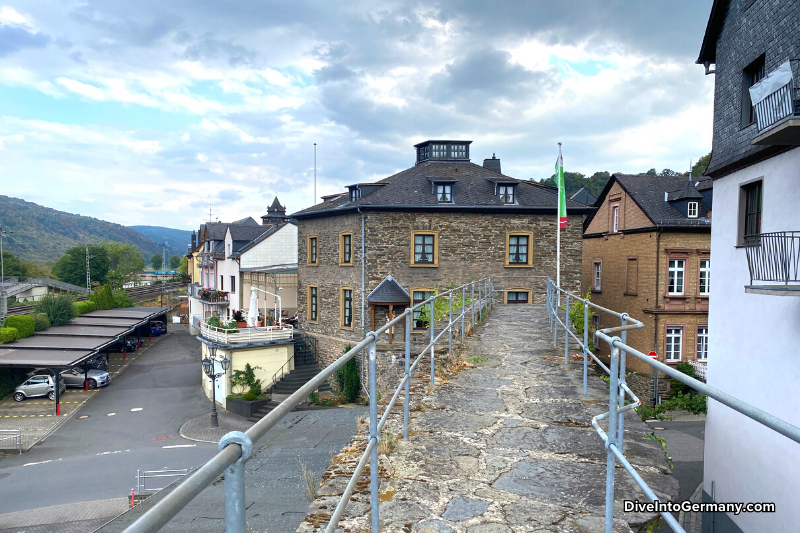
(136, 294)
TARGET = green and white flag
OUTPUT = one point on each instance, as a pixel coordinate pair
(562, 200)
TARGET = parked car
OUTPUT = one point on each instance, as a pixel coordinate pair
(124, 346)
(156, 329)
(38, 385)
(74, 377)
(100, 363)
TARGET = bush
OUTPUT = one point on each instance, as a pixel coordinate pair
(24, 325)
(103, 298)
(8, 335)
(347, 380)
(250, 396)
(677, 386)
(58, 308)
(213, 321)
(40, 322)
(85, 306)
(121, 299)
(576, 316)
(255, 388)
(242, 380)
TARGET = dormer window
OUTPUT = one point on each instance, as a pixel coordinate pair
(442, 151)
(692, 209)
(506, 193)
(444, 193)
(458, 151)
(355, 194)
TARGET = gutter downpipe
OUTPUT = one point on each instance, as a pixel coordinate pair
(655, 315)
(363, 261)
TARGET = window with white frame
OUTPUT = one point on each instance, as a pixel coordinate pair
(598, 275)
(676, 270)
(439, 151)
(702, 343)
(355, 194)
(674, 343)
(458, 151)
(616, 218)
(506, 193)
(705, 276)
(444, 192)
(692, 209)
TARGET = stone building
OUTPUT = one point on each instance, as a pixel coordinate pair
(443, 222)
(646, 252)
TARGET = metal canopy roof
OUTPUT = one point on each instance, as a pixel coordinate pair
(78, 340)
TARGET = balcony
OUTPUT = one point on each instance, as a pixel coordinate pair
(774, 260)
(777, 106)
(208, 296)
(246, 335)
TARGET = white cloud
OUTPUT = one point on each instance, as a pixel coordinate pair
(89, 91)
(202, 158)
(10, 17)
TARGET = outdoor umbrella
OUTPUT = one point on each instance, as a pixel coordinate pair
(252, 313)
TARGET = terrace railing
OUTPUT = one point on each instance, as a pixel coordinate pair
(238, 336)
(774, 256)
(235, 447)
(774, 97)
(613, 439)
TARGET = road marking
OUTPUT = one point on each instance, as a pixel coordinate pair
(112, 453)
(179, 446)
(40, 463)
(137, 409)
(111, 414)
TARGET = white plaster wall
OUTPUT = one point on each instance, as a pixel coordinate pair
(279, 249)
(228, 268)
(753, 355)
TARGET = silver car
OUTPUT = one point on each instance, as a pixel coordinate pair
(39, 385)
(73, 377)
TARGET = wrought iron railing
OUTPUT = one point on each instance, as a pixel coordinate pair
(775, 107)
(774, 256)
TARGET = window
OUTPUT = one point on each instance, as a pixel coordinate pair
(355, 193)
(632, 276)
(674, 344)
(312, 251)
(692, 209)
(616, 219)
(439, 151)
(598, 275)
(233, 283)
(458, 151)
(423, 152)
(702, 343)
(425, 248)
(346, 249)
(518, 251)
(444, 192)
(347, 308)
(752, 74)
(313, 302)
(419, 296)
(705, 276)
(676, 269)
(221, 283)
(517, 297)
(752, 211)
(229, 249)
(595, 326)
(506, 193)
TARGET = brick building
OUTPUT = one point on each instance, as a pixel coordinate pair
(443, 222)
(646, 251)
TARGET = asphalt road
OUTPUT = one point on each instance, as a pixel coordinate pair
(97, 457)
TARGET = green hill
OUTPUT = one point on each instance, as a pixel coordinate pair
(40, 234)
(177, 240)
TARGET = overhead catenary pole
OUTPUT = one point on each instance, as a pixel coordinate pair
(315, 173)
(561, 212)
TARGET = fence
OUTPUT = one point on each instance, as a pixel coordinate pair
(11, 438)
(228, 336)
(235, 447)
(613, 439)
(774, 256)
(165, 475)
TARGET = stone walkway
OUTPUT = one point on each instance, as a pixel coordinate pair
(504, 447)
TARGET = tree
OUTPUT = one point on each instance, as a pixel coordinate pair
(13, 266)
(174, 262)
(574, 181)
(699, 168)
(668, 172)
(126, 261)
(183, 268)
(652, 172)
(71, 267)
(156, 260)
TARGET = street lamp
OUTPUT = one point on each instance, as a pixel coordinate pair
(210, 371)
(2, 277)
(279, 308)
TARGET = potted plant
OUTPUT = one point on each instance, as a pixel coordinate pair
(260, 320)
(239, 318)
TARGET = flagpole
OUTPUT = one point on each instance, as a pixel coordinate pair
(558, 221)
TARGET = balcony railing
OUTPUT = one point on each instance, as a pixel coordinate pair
(774, 97)
(774, 257)
(245, 335)
(209, 296)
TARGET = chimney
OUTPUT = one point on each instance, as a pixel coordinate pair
(194, 241)
(492, 164)
(666, 196)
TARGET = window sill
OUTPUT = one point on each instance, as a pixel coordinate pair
(347, 328)
(597, 291)
(677, 296)
(424, 265)
(346, 264)
(521, 265)
(312, 264)
(630, 294)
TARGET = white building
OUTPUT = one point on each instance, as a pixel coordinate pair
(754, 312)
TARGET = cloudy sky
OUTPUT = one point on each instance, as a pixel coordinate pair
(143, 112)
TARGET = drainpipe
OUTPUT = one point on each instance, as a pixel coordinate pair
(363, 260)
(655, 306)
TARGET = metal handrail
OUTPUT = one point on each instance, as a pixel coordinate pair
(235, 445)
(13, 435)
(775, 107)
(774, 256)
(274, 376)
(613, 440)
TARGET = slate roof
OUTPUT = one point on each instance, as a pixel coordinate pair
(648, 193)
(246, 233)
(216, 230)
(704, 183)
(271, 230)
(474, 189)
(249, 221)
(388, 291)
(583, 196)
(276, 206)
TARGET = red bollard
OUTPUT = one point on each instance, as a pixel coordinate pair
(133, 502)
(86, 385)
(58, 409)
(124, 354)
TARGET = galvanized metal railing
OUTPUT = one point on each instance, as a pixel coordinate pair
(165, 477)
(774, 256)
(235, 447)
(775, 107)
(613, 439)
(12, 437)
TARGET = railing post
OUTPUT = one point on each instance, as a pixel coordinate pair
(433, 346)
(585, 341)
(373, 434)
(463, 309)
(555, 315)
(472, 307)
(566, 331)
(407, 397)
(480, 302)
(621, 424)
(235, 505)
(612, 438)
(450, 326)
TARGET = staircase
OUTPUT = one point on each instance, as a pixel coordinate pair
(289, 384)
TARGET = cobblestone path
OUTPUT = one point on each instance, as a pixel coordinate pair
(506, 446)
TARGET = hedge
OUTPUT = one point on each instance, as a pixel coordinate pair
(24, 325)
(40, 321)
(8, 335)
(85, 306)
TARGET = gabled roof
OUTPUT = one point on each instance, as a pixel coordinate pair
(473, 191)
(388, 291)
(583, 196)
(271, 230)
(704, 183)
(708, 50)
(246, 233)
(249, 221)
(688, 191)
(215, 230)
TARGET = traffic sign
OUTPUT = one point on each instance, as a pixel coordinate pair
(654, 355)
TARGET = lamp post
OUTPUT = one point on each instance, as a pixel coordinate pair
(279, 309)
(3, 303)
(210, 371)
